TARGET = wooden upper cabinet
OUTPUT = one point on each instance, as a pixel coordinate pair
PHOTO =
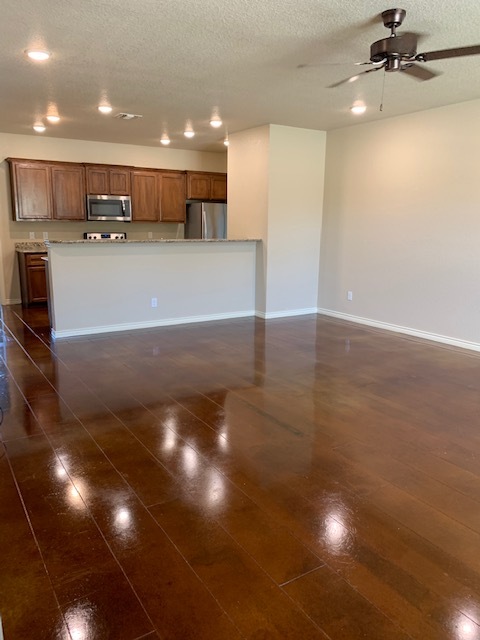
(68, 192)
(203, 185)
(119, 181)
(172, 197)
(47, 191)
(158, 196)
(218, 186)
(145, 196)
(31, 190)
(108, 180)
(198, 186)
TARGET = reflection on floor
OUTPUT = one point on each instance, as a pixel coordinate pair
(296, 478)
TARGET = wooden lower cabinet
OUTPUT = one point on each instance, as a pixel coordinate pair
(33, 281)
(158, 196)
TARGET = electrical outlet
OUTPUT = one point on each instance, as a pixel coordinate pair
(154, 303)
(31, 235)
(45, 235)
(350, 295)
(150, 235)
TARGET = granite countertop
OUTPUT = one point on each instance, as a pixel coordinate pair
(148, 241)
(31, 247)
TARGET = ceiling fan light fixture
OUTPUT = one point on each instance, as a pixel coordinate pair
(358, 109)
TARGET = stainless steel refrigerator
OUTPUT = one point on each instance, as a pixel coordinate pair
(206, 220)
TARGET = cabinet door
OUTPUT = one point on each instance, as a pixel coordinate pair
(145, 196)
(33, 280)
(68, 190)
(97, 180)
(198, 186)
(172, 197)
(31, 191)
(119, 182)
(218, 187)
(37, 284)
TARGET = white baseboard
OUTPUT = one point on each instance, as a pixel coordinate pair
(454, 342)
(285, 314)
(12, 301)
(150, 324)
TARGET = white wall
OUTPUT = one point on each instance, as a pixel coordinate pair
(275, 192)
(100, 287)
(401, 222)
(295, 203)
(44, 148)
(248, 181)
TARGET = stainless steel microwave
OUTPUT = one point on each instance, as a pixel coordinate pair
(114, 208)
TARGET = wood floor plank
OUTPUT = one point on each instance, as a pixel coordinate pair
(300, 477)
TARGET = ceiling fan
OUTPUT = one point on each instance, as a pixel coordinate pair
(398, 52)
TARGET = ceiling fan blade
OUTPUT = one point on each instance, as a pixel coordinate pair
(448, 53)
(418, 72)
(353, 78)
(325, 64)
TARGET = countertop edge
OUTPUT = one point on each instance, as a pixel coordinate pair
(30, 247)
(150, 241)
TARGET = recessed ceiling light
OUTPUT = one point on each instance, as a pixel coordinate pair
(358, 109)
(105, 108)
(189, 133)
(165, 139)
(39, 127)
(37, 55)
(216, 122)
(53, 118)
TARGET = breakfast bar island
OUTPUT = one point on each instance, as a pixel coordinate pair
(116, 285)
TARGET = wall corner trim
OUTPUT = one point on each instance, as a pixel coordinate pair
(269, 315)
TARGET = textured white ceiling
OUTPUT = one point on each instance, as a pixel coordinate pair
(173, 60)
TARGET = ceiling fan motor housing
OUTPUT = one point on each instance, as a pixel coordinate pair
(393, 48)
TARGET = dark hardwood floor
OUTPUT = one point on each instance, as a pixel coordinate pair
(296, 478)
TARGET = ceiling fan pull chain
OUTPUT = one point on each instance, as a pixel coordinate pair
(383, 90)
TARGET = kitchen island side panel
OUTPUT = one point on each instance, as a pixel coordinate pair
(100, 287)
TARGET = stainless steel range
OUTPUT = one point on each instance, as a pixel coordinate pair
(105, 236)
